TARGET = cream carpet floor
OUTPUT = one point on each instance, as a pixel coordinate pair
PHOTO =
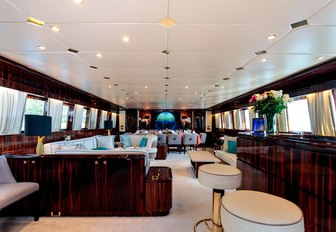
(191, 202)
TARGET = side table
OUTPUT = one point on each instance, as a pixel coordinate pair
(159, 191)
(162, 151)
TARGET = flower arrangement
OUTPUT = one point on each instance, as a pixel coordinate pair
(270, 102)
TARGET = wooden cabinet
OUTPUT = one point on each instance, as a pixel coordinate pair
(159, 196)
(162, 151)
(86, 185)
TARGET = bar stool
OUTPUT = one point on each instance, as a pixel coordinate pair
(247, 211)
(219, 177)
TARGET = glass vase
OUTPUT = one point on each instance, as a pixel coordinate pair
(270, 123)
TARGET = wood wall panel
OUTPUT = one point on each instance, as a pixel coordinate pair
(302, 170)
(21, 144)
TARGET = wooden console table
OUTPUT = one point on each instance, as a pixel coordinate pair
(302, 170)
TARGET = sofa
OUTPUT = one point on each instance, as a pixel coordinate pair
(228, 152)
(103, 145)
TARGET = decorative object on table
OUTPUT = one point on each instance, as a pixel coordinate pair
(37, 125)
(269, 104)
(108, 125)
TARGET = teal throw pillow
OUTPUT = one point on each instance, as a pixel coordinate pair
(232, 147)
(125, 140)
(100, 148)
(143, 142)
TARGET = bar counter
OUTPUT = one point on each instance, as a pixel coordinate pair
(299, 168)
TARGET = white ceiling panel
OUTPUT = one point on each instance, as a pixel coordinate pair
(120, 11)
(307, 39)
(242, 11)
(209, 41)
(26, 37)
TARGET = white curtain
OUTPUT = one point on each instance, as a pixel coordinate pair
(282, 120)
(55, 108)
(114, 119)
(228, 120)
(77, 117)
(103, 117)
(238, 119)
(320, 112)
(93, 118)
(12, 105)
(218, 120)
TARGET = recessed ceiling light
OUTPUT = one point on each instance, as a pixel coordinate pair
(78, 1)
(93, 67)
(99, 55)
(35, 22)
(320, 57)
(110, 86)
(195, 93)
(41, 47)
(271, 36)
(186, 87)
(222, 87)
(135, 92)
(263, 59)
(127, 98)
(126, 39)
(180, 98)
(55, 29)
(151, 98)
(146, 87)
(167, 22)
(71, 50)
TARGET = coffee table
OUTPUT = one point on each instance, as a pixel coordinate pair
(198, 158)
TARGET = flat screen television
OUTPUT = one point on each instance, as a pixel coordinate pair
(258, 125)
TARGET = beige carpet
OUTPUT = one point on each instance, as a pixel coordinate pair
(191, 202)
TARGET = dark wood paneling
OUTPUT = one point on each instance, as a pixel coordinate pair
(302, 170)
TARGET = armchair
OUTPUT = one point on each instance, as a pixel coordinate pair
(174, 140)
(12, 191)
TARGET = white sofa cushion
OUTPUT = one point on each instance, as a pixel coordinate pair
(82, 144)
(106, 142)
(227, 157)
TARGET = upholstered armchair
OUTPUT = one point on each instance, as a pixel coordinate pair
(162, 139)
(189, 139)
(203, 139)
(174, 140)
(12, 191)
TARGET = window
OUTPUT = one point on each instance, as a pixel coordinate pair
(84, 118)
(34, 106)
(298, 116)
(65, 118)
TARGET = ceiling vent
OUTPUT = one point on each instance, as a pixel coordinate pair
(165, 52)
(226, 78)
(166, 78)
(299, 24)
(239, 68)
(107, 78)
(93, 67)
(260, 52)
(72, 50)
(167, 67)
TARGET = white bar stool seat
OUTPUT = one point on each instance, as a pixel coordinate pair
(219, 177)
(247, 211)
